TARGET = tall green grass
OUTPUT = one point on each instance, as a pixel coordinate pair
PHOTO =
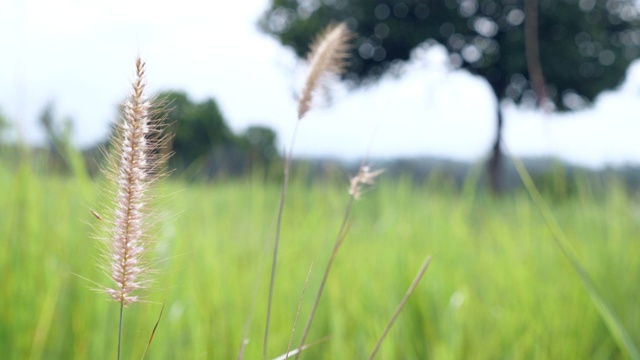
(497, 286)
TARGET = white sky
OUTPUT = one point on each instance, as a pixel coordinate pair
(80, 55)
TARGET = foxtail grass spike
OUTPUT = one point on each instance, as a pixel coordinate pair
(365, 176)
(133, 166)
(328, 55)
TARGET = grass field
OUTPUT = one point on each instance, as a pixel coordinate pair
(497, 288)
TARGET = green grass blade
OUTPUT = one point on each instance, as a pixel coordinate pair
(617, 330)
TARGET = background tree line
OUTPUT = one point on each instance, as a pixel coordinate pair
(205, 147)
(560, 53)
(202, 143)
(580, 47)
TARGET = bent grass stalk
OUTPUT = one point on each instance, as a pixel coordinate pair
(134, 166)
(614, 324)
(404, 300)
(153, 332)
(327, 57)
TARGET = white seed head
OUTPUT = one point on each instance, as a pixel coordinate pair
(364, 177)
(133, 168)
(328, 56)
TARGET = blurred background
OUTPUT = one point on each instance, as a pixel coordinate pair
(439, 93)
(443, 80)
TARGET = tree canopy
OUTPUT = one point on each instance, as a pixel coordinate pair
(196, 127)
(5, 125)
(58, 133)
(585, 45)
(203, 142)
(581, 47)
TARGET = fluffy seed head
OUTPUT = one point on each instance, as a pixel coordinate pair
(364, 177)
(328, 55)
(133, 167)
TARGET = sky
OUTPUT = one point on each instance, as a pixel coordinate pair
(80, 56)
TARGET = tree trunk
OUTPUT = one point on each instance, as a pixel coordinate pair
(495, 163)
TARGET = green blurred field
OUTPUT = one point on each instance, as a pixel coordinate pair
(497, 288)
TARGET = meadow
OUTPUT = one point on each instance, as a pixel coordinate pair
(517, 276)
(497, 288)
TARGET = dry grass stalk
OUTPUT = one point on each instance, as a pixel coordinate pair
(153, 332)
(344, 230)
(364, 177)
(328, 55)
(410, 291)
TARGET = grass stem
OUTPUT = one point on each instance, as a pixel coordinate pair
(344, 230)
(283, 195)
(295, 321)
(616, 328)
(415, 282)
(120, 328)
(153, 332)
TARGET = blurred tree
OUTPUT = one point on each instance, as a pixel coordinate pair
(201, 137)
(58, 138)
(585, 46)
(196, 128)
(4, 125)
(260, 145)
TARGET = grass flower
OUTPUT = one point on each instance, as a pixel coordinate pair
(365, 176)
(133, 166)
(328, 56)
(133, 171)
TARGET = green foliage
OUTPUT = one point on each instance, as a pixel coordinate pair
(203, 144)
(61, 155)
(585, 46)
(555, 183)
(196, 127)
(497, 286)
(261, 142)
(58, 136)
(614, 324)
(4, 125)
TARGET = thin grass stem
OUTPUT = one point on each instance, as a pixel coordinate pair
(364, 177)
(283, 195)
(404, 300)
(256, 287)
(295, 321)
(153, 332)
(120, 328)
(344, 230)
(327, 56)
(617, 330)
(297, 351)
